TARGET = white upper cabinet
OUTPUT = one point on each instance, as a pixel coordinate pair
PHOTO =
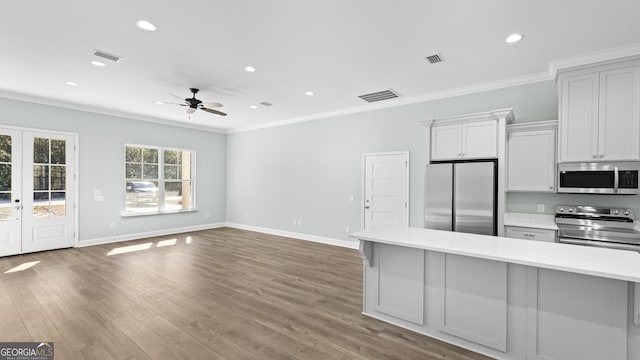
(531, 156)
(600, 113)
(470, 140)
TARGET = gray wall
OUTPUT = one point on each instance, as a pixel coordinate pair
(308, 170)
(101, 157)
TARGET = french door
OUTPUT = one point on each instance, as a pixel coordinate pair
(37, 191)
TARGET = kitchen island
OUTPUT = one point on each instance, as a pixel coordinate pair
(502, 297)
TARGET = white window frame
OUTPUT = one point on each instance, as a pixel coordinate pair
(161, 180)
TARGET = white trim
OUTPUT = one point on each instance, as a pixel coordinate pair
(295, 235)
(136, 236)
(471, 89)
(623, 53)
(103, 111)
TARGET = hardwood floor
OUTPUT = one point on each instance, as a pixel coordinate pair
(215, 294)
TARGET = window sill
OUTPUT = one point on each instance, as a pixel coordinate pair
(125, 215)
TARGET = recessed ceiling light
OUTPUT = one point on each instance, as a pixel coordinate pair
(513, 38)
(253, 106)
(98, 63)
(250, 68)
(145, 25)
(158, 102)
(72, 83)
(309, 93)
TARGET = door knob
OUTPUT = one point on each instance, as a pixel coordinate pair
(366, 207)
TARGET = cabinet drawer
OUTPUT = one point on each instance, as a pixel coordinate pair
(531, 233)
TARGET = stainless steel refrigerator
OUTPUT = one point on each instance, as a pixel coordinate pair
(461, 196)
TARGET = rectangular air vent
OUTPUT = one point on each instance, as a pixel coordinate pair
(105, 55)
(265, 103)
(435, 58)
(379, 96)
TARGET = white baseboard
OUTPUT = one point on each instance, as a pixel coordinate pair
(296, 235)
(126, 237)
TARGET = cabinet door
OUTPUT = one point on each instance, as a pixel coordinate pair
(579, 118)
(531, 161)
(445, 142)
(479, 140)
(619, 115)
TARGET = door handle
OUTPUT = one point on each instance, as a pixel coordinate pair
(366, 207)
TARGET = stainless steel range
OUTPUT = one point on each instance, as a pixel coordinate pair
(597, 226)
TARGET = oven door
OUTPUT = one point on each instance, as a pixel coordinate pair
(597, 178)
(613, 238)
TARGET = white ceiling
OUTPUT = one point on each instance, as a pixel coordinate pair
(337, 48)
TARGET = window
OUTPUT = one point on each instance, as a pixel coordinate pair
(158, 180)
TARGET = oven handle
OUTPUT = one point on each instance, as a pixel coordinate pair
(616, 180)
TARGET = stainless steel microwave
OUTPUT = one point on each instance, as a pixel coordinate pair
(599, 178)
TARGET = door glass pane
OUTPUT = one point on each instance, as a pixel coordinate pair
(40, 177)
(40, 204)
(5, 177)
(58, 152)
(41, 151)
(5, 148)
(5, 206)
(58, 177)
(58, 204)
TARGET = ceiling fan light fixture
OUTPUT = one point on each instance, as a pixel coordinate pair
(191, 110)
(146, 25)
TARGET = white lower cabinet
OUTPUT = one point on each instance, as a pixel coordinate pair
(502, 310)
(530, 233)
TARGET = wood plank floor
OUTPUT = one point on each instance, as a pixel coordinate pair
(215, 294)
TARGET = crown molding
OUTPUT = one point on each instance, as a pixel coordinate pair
(623, 53)
(476, 88)
(100, 110)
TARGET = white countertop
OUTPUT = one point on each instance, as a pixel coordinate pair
(607, 263)
(536, 221)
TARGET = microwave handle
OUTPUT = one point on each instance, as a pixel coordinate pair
(616, 180)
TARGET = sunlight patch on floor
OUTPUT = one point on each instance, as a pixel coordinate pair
(128, 249)
(22, 267)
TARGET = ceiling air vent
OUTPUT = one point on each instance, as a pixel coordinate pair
(265, 103)
(104, 55)
(379, 96)
(435, 58)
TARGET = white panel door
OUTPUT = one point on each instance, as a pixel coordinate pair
(10, 193)
(48, 191)
(386, 186)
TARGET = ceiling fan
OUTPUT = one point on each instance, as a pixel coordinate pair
(194, 104)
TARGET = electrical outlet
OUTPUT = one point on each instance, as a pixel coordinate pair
(350, 198)
(299, 222)
(208, 215)
(348, 228)
(295, 222)
(112, 225)
(540, 208)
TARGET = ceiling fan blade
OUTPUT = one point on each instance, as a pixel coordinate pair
(211, 105)
(220, 113)
(176, 96)
(170, 103)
